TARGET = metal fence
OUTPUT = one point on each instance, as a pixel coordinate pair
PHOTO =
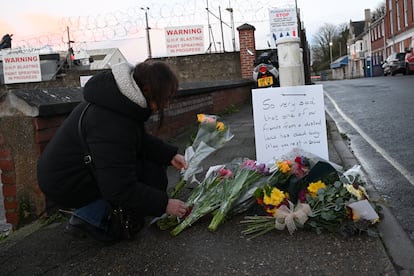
(219, 18)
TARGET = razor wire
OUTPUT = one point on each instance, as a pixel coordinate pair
(130, 23)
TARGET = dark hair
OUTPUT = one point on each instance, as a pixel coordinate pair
(158, 83)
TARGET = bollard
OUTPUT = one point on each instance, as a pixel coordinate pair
(291, 72)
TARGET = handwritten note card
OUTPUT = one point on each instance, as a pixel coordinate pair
(287, 118)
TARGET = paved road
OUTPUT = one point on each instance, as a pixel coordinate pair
(376, 115)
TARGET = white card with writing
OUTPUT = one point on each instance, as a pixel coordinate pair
(289, 117)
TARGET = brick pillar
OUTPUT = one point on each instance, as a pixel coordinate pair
(247, 42)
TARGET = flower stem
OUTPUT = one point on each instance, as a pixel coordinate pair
(216, 221)
(177, 188)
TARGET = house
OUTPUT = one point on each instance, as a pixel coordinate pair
(358, 46)
(377, 38)
(370, 43)
(399, 26)
(96, 59)
(339, 68)
(104, 58)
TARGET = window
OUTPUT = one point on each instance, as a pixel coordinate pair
(405, 13)
(391, 17)
(398, 15)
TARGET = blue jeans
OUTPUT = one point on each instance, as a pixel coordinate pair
(95, 213)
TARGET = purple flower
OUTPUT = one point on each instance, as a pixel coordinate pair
(262, 169)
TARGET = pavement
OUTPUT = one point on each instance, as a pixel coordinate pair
(40, 249)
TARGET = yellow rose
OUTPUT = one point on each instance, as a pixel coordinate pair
(314, 187)
(201, 117)
(276, 197)
(284, 166)
(220, 126)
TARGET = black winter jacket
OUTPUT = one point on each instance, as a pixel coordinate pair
(113, 127)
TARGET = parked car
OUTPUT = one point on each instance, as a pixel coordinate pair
(409, 61)
(394, 64)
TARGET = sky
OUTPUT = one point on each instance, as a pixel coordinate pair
(96, 24)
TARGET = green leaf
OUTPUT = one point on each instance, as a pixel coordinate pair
(327, 216)
(339, 201)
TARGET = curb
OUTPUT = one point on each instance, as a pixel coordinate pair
(395, 240)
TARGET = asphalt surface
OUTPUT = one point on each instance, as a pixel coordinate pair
(46, 250)
(371, 111)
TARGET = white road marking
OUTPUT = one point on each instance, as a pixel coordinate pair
(404, 172)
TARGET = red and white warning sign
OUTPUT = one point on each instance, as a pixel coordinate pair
(185, 40)
(20, 68)
(283, 23)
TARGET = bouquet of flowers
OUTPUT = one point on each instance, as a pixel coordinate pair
(249, 173)
(212, 134)
(224, 188)
(203, 199)
(328, 202)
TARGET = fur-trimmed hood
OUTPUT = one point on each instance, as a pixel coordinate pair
(126, 83)
(117, 90)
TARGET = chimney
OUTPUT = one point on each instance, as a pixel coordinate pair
(247, 44)
(367, 18)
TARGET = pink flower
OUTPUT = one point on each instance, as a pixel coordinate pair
(225, 173)
(302, 195)
(249, 164)
(301, 166)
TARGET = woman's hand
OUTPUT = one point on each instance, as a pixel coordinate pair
(179, 162)
(176, 207)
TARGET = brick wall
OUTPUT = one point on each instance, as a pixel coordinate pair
(22, 138)
(18, 159)
(196, 68)
(183, 109)
(206, 67)
(8, 179)
(44, 129)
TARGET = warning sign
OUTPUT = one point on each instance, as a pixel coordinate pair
(20, 68)
(186, 40)
(283, 23)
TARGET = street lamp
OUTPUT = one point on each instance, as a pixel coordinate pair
(330, 51)
(147, 28)
(230, 10)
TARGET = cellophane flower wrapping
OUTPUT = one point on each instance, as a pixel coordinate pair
(321, 186)
(225, 190)
(248, 174)
(204, 198)
(212, 134)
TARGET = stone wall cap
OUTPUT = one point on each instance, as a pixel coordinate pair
(209, 86)
(245, 27)
(45, 102)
